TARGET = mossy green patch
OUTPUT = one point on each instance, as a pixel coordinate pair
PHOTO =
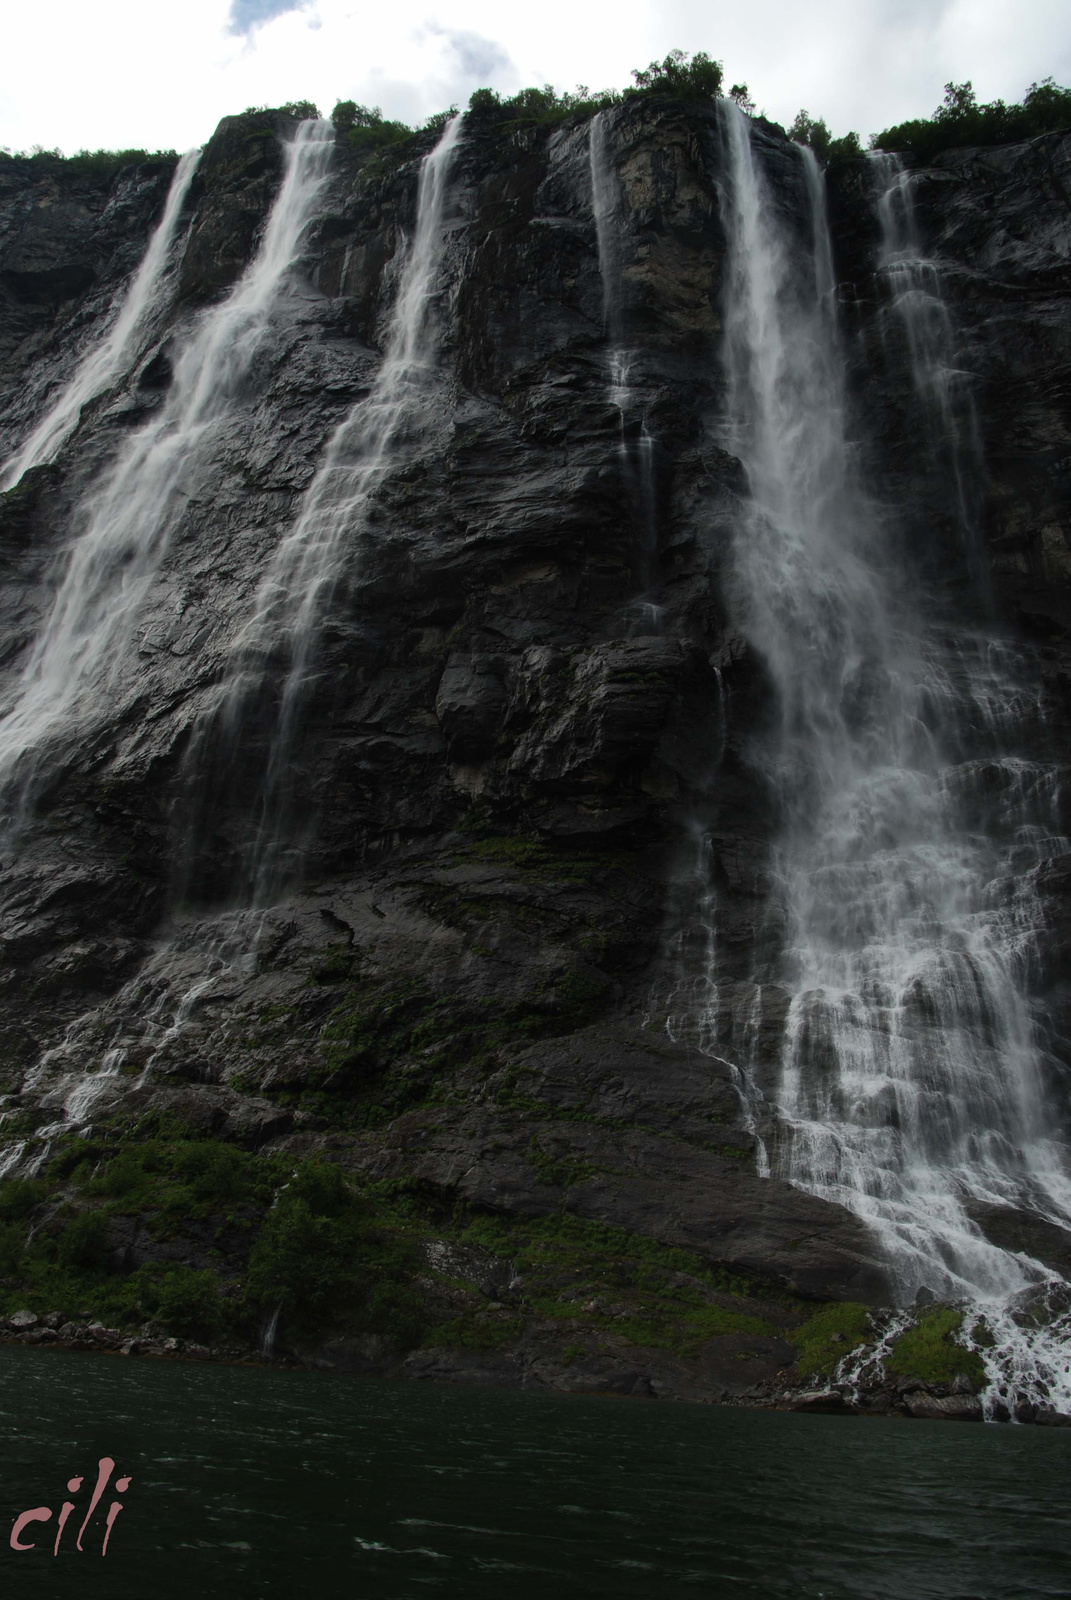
(618, 1283)
(528, 854)
(928, 1351)
(826, 1338)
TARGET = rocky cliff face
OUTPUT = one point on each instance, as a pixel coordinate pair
(461, 997)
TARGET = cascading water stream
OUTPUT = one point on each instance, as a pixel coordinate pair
(127, 520)
(127, 523)
(942, 385)
(318, 553)
(914, 811)
(108, 360)
(637, 444)
(159, 1010)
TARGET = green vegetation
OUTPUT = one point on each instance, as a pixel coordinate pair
(303, 110)
(86, 163)
(530, 854)
(928, 1351)
(179, 1180)
(374, 1032)
(389, 1047)
(826, 1338)
(329, 1252)
(959, 120)
(538, 107)
(366, 128)
(618, 1283)
(320, 1251)
(686, 77)
(322, 1255)
(812, 131)
(187, 1300)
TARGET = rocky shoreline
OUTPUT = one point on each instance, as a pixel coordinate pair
(532, 1367)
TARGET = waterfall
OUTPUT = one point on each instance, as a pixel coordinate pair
(318, 553)
(267, 1334)
(126, 522)
(943, 387)
(915, 805)
(107, 361)
(636, 446)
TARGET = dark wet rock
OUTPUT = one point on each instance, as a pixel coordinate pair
(948, 1408)
(67, 241)
(674, 1191)
(1049, 1417)
(1025, 1233)
(499, 760)
(818, 1400)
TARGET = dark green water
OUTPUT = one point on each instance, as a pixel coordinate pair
(249, 1484)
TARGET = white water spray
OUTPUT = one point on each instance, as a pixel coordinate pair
(914, 811)
(127, 522)
(108, 360)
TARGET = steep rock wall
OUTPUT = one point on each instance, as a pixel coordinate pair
(502, 761)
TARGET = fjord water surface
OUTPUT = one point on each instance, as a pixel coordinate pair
(248, 1485)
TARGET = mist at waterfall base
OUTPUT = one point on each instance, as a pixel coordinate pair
(912, 1079)
(263, 1484)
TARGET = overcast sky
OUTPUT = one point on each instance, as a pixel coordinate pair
(130, 73)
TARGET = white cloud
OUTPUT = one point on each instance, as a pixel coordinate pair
(121, 72)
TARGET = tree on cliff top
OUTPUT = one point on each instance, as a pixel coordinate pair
(365, 127)
(813, 132)
(688, 77)
(959, 120)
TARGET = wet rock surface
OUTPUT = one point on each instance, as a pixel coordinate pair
(500, 759)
